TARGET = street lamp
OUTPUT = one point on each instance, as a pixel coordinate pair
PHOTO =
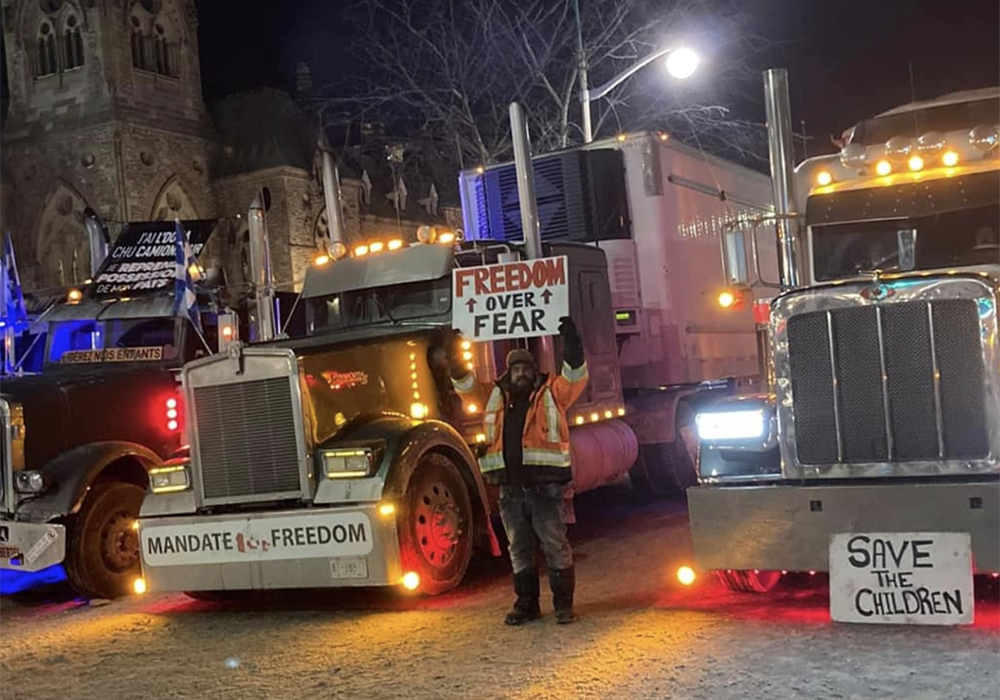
(681, 63)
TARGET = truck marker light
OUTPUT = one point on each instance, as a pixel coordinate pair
(376, 247)
(171, 403)
(472, 408)
(172, 425)
(686, 575)
(321, 260)
(418, 411)
(466, 345)
(621, 411)
(950, 159)
(74, 296)
(726, 299)
(622, 138)
(395, 244)
(386, 509)
(466, 355)
(594, 417)
(139, 586)
(411, 580)
(915, 163)
(579, 420)
(824, 178)
(480, 437)
(135, 525)
(171, 413)
(361, 251)
(608, 414)
(446, 238)
(883, 167)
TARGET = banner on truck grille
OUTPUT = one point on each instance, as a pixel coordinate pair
(901, 578)
(523, 299)
(260, 539)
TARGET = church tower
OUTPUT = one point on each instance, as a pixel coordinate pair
(106, 112)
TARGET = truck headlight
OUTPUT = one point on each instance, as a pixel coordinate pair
(731, 425)
(168, 479)
(347, 463)
(30, 481)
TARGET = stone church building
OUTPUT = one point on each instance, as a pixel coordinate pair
(105, 111)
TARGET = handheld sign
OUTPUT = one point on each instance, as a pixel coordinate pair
(901, 578)
(143, 257)
(522, 299)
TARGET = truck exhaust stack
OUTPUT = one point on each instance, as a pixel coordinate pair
(260, 263)
(782, 156)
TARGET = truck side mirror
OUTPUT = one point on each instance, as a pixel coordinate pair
(734, 258)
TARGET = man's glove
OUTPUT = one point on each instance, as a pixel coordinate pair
(572, 345)
(456, 365)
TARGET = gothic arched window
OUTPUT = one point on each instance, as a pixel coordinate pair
(72, 43)
(138, 45)
(48, 62)
(165, 51)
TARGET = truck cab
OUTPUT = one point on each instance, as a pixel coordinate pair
(884, 411)
(80, 436)
(345, 458)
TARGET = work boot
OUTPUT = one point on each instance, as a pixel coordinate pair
(526, 606)
(563, 583)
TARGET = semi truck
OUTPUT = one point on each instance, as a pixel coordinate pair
(345, 458)
(80, 436)
(882, 412)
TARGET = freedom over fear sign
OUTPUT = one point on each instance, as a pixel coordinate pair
(143, 257)
(914, 578)
(522, 299)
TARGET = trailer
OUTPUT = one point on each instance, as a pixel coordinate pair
(883, 408)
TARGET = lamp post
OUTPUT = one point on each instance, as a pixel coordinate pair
(681, 63)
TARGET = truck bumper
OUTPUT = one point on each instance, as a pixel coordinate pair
(789, 527)
(31, 546)
(301, 548)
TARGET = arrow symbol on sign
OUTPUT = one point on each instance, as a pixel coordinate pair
(471, 303)
(546, 295)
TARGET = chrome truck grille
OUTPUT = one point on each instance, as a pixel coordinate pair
(902, 384)
(246, 428)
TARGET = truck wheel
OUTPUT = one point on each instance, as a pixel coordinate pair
(435, 527)
(750, 581)
(102, 554)
(652, 473)
(684, 452)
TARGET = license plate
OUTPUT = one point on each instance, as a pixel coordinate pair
(349, 567)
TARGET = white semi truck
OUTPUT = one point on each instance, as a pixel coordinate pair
(883, 413)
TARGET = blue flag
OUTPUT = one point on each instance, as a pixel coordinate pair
(14, 313)
(185, 300)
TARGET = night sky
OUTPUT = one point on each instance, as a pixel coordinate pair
(847, 59)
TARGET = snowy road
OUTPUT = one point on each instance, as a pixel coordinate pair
(641, 636)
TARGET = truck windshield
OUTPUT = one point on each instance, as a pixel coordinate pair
(947, 239)
(364, 307)
(116, 340)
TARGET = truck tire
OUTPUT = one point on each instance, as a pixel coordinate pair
(435, 525)
(102, 552)
(652, 473)
(684, 449)
(751, 581)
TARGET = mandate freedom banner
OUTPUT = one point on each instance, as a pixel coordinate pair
(912, 578)
(143, 257)
(144, 354)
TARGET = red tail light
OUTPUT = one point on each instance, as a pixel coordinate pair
(173, 415)
(762, 312)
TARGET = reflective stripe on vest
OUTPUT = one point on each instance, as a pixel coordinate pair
(493, 407)
(574, 375)
(551, 415)
(546, 458)
(491, 462)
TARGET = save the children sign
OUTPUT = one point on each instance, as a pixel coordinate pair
(914, 578)
(521, 299)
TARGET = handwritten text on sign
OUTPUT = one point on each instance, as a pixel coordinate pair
(522, 299)
(915, 578)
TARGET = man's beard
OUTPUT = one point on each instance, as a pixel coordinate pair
(522, 387)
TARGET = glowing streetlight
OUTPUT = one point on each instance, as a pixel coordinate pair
(682, 63)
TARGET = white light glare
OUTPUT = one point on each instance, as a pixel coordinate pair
(730, 425)
(682, 63)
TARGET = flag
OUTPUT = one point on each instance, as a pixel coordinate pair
(14, 313)
(185, 300)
